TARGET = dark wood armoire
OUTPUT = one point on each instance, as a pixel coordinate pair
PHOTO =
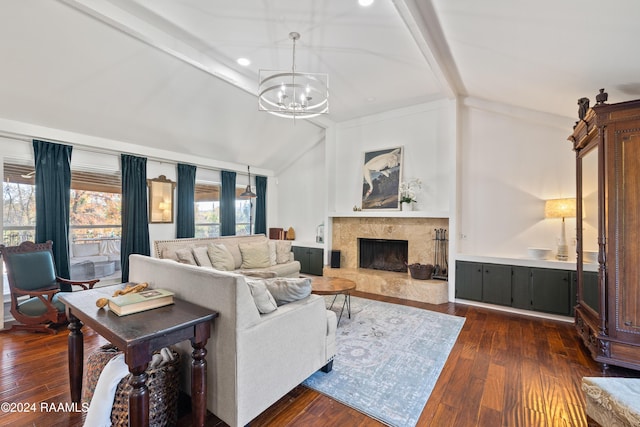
(607, 315)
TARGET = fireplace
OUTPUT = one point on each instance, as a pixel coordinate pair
(383, 254)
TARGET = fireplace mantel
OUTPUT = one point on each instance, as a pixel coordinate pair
(389, 214)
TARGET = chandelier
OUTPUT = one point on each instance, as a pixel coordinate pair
(293, 94)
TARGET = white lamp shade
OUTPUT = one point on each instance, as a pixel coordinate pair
(560, 208)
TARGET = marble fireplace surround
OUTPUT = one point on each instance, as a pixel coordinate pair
(417, 231)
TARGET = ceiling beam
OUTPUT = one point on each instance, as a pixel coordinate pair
(422, 21)
(123, 16)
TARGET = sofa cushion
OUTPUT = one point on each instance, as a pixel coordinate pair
(185, 256)
(254, 255)
(261, 296)
(220, 257)
(260, 274)
(272, 253)
(288, 269)
(201, 255)
(283, 249)
(288, 289)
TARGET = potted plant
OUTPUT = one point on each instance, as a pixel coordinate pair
(408, 193)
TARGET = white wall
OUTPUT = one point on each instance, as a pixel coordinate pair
(425, 133)
(510, 162)
(302, 193)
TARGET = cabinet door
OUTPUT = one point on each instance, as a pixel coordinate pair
(300, 255)
(521, 287)
(550, 291)
(316, 261)
(624, 234)
(469, 280)
(496, 284)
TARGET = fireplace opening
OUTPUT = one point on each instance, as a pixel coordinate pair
(384, 254)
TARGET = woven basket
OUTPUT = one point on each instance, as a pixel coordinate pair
(421, 271)
(162, 383)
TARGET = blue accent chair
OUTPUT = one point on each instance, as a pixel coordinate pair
(34, 286)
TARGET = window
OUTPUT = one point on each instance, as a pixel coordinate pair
(207, 211)
(19, 204)
(95, 226)
(94, 219)
(243, 213)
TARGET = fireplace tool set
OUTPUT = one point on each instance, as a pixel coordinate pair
(440, 262)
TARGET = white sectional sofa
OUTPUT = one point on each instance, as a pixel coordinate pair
(248, 253)
(253, 359)
(612, 401)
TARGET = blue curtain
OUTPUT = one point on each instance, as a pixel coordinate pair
(261, 205)
(228, 204)
(53, 183)
(185, 221)
(135, 219)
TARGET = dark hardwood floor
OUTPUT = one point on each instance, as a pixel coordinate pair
(504, 370)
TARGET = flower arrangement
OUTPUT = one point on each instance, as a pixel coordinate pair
(408, 190)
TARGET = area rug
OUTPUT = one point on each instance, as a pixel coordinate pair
(388, 359)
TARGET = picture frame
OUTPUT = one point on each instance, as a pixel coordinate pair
(161, 200)
(381, 176)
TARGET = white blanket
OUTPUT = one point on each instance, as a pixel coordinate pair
(99, 413)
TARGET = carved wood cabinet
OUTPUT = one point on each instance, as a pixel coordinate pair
(607, 316)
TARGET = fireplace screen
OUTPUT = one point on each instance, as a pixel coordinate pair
(383, 254)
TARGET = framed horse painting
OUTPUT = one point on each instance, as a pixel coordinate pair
(381, 176)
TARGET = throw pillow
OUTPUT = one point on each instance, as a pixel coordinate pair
(220, 257)
(283, 249)
(169, 253)
(201, 255)
(273, 260)
(261, 296)
(234, 250)
(288, 289)
(254, 255)
(185, 256)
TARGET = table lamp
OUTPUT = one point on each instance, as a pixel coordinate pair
(561, 208)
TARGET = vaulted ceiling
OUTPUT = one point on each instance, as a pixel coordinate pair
(163, 73)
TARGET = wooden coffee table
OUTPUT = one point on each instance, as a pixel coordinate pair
(323, 285)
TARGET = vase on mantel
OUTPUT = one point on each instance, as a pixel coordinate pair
(405, 207)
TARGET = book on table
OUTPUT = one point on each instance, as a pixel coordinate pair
(140, 301)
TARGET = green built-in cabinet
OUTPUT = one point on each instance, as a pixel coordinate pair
(311, 259)
(529, 288)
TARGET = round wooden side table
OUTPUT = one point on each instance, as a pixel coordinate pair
(323, 285)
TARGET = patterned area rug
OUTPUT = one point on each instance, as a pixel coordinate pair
(388, 359)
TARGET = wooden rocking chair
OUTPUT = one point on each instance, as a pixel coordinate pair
(34, 285)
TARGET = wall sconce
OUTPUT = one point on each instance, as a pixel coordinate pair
(561, 208)
(161, 200)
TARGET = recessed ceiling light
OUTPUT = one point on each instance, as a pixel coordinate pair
(243, 61)
(371, 99)
(365, 3)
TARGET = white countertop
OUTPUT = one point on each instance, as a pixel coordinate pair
(307, 244)
(526, 262)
